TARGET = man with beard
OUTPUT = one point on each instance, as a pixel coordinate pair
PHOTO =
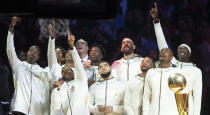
(106, 95)
(82, 48)
(31, 95)
(158, 99)
(127, 67)
(91, 67)
(134, 91)
(192, 73)
(71, 95)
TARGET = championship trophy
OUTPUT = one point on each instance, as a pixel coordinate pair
(177, 83)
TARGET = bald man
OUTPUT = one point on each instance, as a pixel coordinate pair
(158, 99)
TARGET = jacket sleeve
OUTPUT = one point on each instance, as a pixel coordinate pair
(197, 93)
(120, 108)
(127, 102)
(80, 71)
(12, 56)
(51, 55)
(146, 96)
(161, 41)
(93, 108)
(55, 105)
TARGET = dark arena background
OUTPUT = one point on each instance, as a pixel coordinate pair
(106, 22)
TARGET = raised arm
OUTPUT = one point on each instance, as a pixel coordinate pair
(197, 93)
(81, 75)
(52, 59)
(161, 41)
(12, 56)
(158, 29)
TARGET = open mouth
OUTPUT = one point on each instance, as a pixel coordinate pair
(93, 56)
(79, 47)
(181, 53)
(126, 47)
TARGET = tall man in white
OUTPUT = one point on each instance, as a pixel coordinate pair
(106, 95)
(135, 89)
(127, 67)
(192, 73)
(158, 99)
(32, 94)
(71, 96)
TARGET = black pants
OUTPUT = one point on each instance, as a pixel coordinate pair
(18, 113)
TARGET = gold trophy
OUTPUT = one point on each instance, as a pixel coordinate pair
(177, 83)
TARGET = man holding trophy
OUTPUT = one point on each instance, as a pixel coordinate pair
(158, 98)
(192, 74)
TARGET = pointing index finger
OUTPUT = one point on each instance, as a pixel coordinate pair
(155, 6)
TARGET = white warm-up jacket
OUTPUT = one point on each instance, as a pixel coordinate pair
(32, 84)
(125, 70)
(134, 96)
(158, 98)
(192, 73)
(107, 92)
(72, 98)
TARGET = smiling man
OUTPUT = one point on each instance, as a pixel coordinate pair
(82, 48)
(192, 73)
(127, 67)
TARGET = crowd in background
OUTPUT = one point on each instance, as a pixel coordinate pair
(183, 21)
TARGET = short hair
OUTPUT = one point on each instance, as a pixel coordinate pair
(83, 40)
(170, 50)
(38, 48)
(63, 50)
(153, 62)
(100, 47)
(104, 62)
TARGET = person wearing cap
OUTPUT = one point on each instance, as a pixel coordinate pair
(192, 74)
(82, 48)
(127, 67)
(71, 95)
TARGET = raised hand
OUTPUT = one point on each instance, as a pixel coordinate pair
(154, 11)
(51, 29)
(57, 84)
(71, 40)
(14, 20)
